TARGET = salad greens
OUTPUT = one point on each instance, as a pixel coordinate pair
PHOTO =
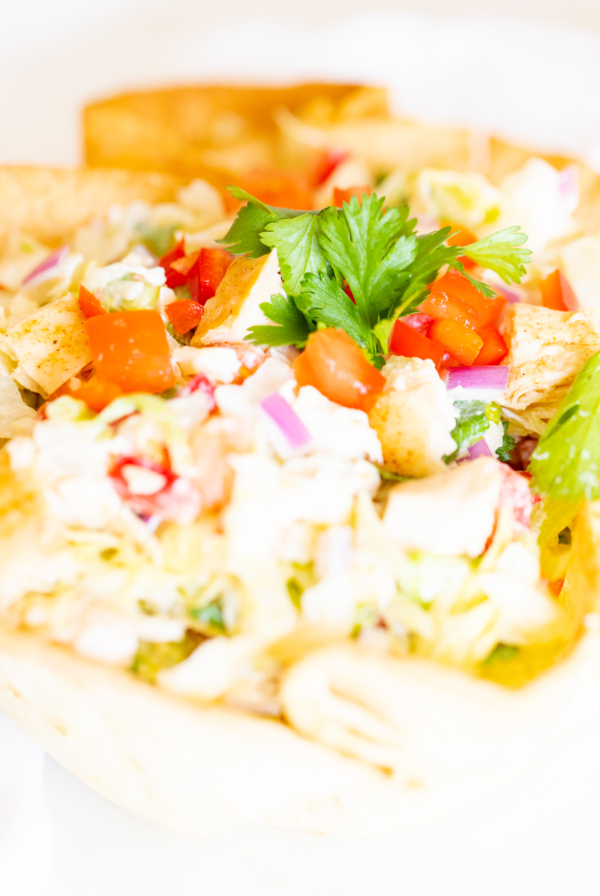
(374, 253)
(566, 463)
(473, 421)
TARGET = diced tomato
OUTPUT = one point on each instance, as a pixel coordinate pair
(90, 304)
(409, 342)
(452, 292)
(333, 363)
(325, 164)
(130, 349)
(557, 293)
(285, 189)
(493, 348)
(203, 271)
(340, 196)
(461, 236)
(184, 315)
(461, 342)
(419, 322)
(174, 277)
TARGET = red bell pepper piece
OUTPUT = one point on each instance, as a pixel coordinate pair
(184, 315)
(557, 293)
(461, 236)
(130, 349)
(340, 196)
(419, 322)
(493, 348)
(326, 163)
(409, 342)
(174, 277)
(90, 305)
(463, 343)
(203, 271)
(285, 189)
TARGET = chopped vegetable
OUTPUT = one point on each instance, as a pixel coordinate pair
(130, 349)
(410, 343)
(372, 253)
(459, 341)
(202, 272)
(286, 419)
(461, 236)
(557, 293)
(184, 315)
(96, 393)
(90, 304)
(479, 449)
(345, 195)
(290, 189)
(334, 364)
(566, 462)
(470, 426)
(151, 657)
(494, 348)
(478, 377)
(174, 277)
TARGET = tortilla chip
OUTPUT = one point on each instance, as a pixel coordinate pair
(50, 203)
(212, 132)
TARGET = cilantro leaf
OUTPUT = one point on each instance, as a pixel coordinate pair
(501, 253)
(292, 329)
(371, 251)
(470, 426)
(566, 463)
(244, 235)
(323, 299)
(298, 248)
(504, 452)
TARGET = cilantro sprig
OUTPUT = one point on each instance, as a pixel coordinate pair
(374, 253)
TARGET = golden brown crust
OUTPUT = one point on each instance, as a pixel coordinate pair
(50, 203)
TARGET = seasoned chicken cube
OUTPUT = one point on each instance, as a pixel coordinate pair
(452, 513)
(413, 417)
(235, 307)
(547, 349)
(51, 345)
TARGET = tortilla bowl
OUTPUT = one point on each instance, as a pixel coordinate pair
(197, 768)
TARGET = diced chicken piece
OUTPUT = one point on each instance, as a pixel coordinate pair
(413, 417)
(235, 307)
(221, 364)
(547, 350)
(580, 262)
(51, 345)
(449, 514)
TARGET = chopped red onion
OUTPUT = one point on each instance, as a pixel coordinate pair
(484, 377)
(286, 419)
(568, 187)
(509, 294)
(480, 449)
(47, 269)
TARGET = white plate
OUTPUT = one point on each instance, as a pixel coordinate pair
(534, 82)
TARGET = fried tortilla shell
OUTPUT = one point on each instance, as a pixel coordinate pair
(197, 769)
(50, 203)
(213, 132)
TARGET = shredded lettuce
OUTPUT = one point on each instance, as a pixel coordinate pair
(470, 426)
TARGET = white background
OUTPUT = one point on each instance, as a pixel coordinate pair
(535, 78)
